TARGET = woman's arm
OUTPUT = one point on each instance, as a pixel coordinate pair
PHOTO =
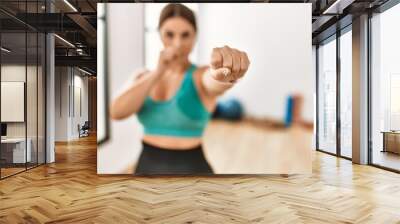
(214, 87)
(131, 100)
(227, 66)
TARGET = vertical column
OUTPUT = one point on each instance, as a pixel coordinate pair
(338, 99)
(360, 90)
(50, 93)
(316, 99)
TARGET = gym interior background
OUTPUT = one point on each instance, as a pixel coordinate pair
(262, 139)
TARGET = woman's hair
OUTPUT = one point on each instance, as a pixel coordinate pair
(177, 10)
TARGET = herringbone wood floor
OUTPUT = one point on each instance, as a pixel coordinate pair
(70, 191)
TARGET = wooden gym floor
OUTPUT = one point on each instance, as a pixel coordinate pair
(70, 191)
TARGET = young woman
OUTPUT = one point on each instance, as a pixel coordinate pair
(174, 101)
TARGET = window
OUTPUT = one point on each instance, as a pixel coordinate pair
(327, 96)
(346, 93)
(385, 88)
(22, 78)
(395, 102)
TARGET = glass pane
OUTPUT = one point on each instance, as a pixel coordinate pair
(386, 88)
(41, 98)
(13, 87)
(346, 94)
(327, 96)
(395, 101)
(31, 98)
(22, 89)
(31, 88)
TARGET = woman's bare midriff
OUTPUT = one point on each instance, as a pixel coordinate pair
(173, 143)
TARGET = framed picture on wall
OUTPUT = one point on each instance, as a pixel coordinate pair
(13, 98)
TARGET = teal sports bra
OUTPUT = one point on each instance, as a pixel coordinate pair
(184, 115)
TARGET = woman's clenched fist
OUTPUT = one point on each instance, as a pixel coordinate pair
(228, 64)
(168, 56)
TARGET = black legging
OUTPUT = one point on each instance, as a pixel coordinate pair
(156, 160)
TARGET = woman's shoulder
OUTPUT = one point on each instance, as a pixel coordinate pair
(199, 72)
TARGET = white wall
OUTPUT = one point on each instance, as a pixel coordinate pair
(66, 121)
(80, 83)
(61, 103)
(277, 38)
(125, 55)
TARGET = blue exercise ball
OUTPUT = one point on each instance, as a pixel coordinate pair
(230, 109)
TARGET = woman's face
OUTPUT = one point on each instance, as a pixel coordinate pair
(179, 33)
